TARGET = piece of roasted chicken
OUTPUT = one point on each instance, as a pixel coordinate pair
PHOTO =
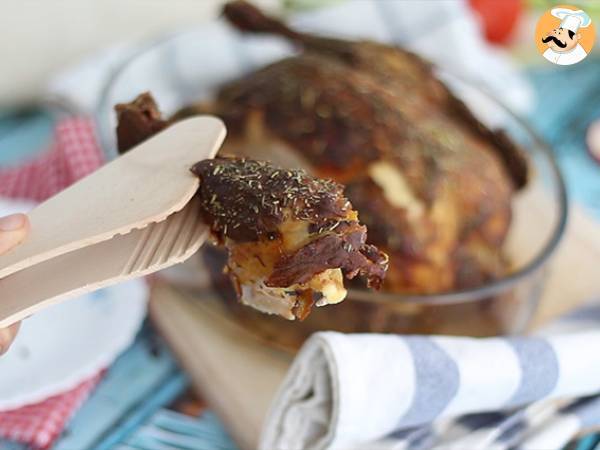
(432, 184)
(291, 237)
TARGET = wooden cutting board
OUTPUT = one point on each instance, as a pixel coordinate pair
(239, 376)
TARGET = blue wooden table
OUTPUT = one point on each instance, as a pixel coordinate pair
(128, 409)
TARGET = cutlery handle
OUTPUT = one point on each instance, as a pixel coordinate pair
(124, 257)
(146, 185)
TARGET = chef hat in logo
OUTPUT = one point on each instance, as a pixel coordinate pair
(571, 20)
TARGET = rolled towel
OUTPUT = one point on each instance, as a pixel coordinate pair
(344, 390)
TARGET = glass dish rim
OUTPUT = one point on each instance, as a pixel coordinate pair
(479, 293)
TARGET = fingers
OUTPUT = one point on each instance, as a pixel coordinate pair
(13, 230)
(7, 336)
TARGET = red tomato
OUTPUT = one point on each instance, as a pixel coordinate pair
(499, 17)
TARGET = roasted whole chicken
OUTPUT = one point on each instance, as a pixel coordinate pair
(432, 184)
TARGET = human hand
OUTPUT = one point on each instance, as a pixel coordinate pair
(13, 230)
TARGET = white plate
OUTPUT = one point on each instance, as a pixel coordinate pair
(61, 346)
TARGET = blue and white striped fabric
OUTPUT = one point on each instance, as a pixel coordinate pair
(418, 392)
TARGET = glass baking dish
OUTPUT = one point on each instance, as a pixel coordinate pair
(190, 65)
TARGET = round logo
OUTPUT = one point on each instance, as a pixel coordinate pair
(565, 35)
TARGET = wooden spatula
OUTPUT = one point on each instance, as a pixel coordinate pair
(132, 217)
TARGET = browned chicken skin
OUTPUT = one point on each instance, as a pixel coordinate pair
(291, 237)
(430, 182)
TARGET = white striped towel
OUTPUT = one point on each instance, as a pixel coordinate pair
(350, 391)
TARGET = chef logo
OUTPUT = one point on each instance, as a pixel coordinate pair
(565, 35)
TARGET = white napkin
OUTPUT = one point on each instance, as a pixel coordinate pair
(352, 390)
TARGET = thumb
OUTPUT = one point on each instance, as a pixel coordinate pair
(13, 230)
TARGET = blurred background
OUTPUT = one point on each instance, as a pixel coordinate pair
(75, 59)
(41, 38)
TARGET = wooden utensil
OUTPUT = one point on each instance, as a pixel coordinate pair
(130, 218)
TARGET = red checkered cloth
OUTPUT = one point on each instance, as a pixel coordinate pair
(39, 425)
(74, 154)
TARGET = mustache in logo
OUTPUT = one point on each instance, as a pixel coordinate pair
(555, 40)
